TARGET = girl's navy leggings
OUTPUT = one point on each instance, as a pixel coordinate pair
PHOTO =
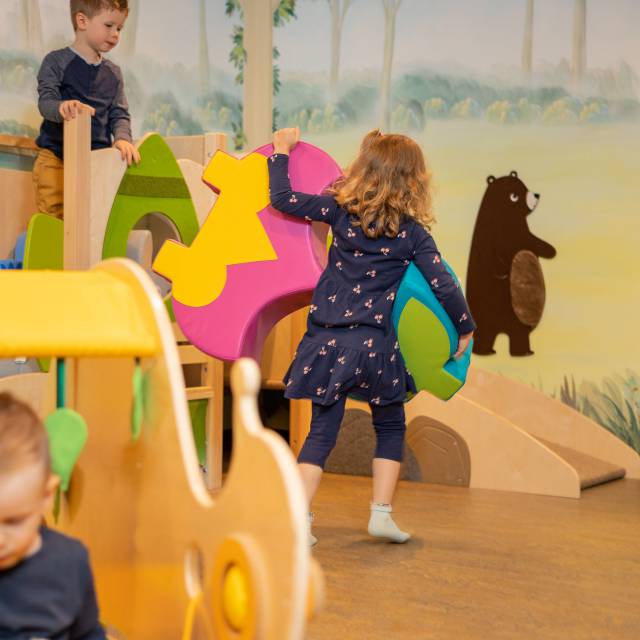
(388, 422)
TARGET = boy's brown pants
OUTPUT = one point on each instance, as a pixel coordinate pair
(48, 181)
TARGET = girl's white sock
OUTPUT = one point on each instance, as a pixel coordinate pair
(381, 524)
(312, 539)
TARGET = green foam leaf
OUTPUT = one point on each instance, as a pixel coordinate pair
(198, 413)
(44, 244)
(68, 434)
(426, 350)
(138, 402)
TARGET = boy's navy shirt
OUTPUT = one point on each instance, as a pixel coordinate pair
(50, 594)
(64, 75)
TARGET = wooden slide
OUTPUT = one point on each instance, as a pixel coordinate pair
(170, 560)
(499, 434)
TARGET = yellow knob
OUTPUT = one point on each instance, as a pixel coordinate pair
(235, 598)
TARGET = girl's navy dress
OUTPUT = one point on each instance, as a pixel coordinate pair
(350, 346)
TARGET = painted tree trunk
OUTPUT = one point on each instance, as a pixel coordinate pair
(390, 11)
(579, 58)
(203, 51)
(527, 45)
(338, 12)
(130, 31)
(257, 108)
(32, 26)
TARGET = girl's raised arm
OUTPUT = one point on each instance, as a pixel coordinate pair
(295, 203)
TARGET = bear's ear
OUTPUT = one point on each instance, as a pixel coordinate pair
(514, 174)
(490, 179)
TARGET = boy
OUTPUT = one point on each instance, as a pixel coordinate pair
(78, 77)
(46, 585)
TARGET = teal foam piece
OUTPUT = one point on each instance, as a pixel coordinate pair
(417, 346)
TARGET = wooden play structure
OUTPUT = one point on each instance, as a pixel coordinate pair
(94, 229)
(232, 575)
(169, 559)
(495, 434)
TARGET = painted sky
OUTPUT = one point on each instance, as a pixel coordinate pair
(469, 34)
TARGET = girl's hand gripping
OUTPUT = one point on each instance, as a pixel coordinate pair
(285, 139)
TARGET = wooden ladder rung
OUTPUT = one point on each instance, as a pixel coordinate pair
(199, 393)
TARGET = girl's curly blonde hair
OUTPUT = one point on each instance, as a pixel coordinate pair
(387, 181)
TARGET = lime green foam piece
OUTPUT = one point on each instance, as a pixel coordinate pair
(198, 412)
(426, 357)
(168, 304)
(68, 434)
(44, 249)
(156, 160)
(44, 245)
(138, 402)
(155, 185)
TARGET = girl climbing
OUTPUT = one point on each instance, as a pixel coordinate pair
(380, 216)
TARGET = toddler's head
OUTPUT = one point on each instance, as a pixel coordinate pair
(27, 487)
(99, 22)
(387, 181)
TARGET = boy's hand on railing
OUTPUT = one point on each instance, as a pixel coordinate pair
(285, 139)
(463, 343)
(128, 151)
(69, 109)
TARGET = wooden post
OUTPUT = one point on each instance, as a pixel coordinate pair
(77, 205)
(257, 108)
(77, 190)
(212, 143)
(300, 410)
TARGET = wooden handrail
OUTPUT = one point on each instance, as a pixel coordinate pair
(18, 145)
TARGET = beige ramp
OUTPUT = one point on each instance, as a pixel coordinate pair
(501, 455)
(548, 419)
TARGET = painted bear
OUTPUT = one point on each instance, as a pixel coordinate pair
(505, 285)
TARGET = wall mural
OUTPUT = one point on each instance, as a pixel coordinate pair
(541, 94)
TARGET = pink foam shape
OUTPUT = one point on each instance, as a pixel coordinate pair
(259, 294)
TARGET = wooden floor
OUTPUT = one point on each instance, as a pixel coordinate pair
(482, 564)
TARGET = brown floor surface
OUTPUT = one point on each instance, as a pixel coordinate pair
(486, 565)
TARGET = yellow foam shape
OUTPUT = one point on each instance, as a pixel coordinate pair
(231, 234)
(73, 313)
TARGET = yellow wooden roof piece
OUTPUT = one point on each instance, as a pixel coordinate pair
(74, 313)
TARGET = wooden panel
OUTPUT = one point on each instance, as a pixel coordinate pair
(17, 205)
(107, 170)
(38, 390)
(277, 353)
(187, 147)
(202, 195)
(198, 149)
(192, 355)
